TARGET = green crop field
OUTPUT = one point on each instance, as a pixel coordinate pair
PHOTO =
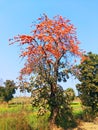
(77, 108)
(21, 116)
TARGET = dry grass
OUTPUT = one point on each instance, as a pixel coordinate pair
(18, 115)
(88, 125)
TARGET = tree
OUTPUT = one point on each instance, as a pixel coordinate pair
(49, 53)
(70, 94)
(7, 91)
(88, 88)
(2, 91)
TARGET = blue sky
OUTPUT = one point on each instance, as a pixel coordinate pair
(16, 16)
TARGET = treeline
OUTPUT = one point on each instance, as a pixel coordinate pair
(7, 91)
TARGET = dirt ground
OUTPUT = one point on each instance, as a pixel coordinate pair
(88, 125)
(83, 126)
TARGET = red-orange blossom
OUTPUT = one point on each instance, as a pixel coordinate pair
(51, 39)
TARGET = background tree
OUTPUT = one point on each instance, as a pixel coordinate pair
(88, 88)
(2, 91)
(8, 90)
(70, 94)
(49, 53)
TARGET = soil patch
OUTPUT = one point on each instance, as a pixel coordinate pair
(88, 125)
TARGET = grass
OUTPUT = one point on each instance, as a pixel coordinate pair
(22, 117)
(77, 107)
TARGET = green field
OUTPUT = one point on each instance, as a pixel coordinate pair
(77, 108)
(21, 115)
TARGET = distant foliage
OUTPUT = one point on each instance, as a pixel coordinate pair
(2, 91)
(70, 94)
(6, 92)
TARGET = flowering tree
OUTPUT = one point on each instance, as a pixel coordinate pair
(49, 53)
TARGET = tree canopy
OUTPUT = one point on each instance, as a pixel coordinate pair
(7, 91)
(88, 76)
(70, 94)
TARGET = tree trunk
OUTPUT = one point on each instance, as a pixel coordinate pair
(53, 116)
(52, 123)
(54, 113)
(53, 100)
(54, 106)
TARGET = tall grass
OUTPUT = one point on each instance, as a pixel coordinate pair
(23, 117)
